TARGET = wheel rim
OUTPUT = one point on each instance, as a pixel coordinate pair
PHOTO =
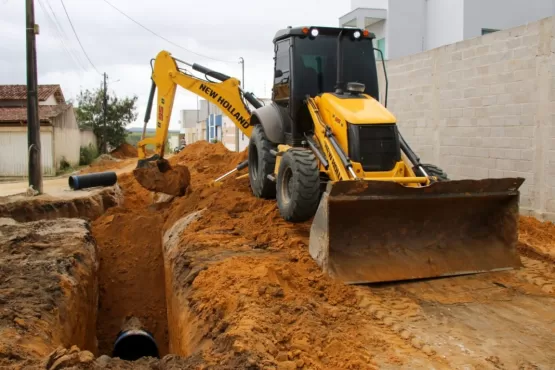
(287, 185)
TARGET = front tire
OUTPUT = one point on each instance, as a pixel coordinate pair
(433, 170)
(261, 164)
(298, 185)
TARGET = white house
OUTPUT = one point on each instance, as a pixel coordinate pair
(405, 27)
(60, 136)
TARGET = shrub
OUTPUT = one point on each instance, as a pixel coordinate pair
(88, 154)
(64, 164)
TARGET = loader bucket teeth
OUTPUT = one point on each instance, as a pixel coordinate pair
(373, 231)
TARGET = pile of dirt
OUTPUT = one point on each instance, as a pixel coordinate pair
(537, 236)
(245, 293)
(107, 163)
(167, 179)
(125, 150)
(135, 196)
(84, 204)
(247, 276)
(48, 282)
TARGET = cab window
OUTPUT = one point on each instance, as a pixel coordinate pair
(282, 73)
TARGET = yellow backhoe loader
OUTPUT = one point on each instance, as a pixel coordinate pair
(327, 149)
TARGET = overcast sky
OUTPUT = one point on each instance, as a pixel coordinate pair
(221, 29)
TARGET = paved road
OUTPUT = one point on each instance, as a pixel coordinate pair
(56, 186)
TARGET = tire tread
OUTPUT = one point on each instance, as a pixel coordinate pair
(306, 195)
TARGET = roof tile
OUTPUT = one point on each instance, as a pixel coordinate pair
(19, 114)
(19, 92)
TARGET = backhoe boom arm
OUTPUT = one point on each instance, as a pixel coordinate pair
(166, 76)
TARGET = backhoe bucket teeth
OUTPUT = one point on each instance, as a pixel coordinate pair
(158, 175)
(374, 231)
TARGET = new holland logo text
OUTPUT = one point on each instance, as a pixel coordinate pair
(225, 104)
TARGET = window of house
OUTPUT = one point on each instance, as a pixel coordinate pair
(485, 31)
(380, 45)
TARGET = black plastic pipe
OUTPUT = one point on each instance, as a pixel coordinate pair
(133, 344)
(93, 179)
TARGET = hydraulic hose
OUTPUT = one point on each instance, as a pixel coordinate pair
(207, 71)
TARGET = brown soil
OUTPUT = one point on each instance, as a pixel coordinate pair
(172, 180)
(125, 150)
(102, 165)
(136, 196)
(243, 292)
(255, 294)
(82, 204)
(538, 236)
(48, 282)
(245, 289)
(131, 275)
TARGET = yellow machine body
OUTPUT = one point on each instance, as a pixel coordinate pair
(370, 225)
(394, 225)
(167, 77)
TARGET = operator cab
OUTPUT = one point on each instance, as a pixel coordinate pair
(306, 63)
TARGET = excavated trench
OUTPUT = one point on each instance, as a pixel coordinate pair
(216, 279)
(131, 276)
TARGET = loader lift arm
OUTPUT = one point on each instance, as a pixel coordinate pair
(167, 75)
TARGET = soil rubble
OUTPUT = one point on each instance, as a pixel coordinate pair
(224, 283)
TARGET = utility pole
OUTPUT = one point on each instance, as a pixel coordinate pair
(242, 62)
(105, 113)
(33, 123)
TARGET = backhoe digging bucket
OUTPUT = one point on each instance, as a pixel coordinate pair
(374, 231)
(158, 175)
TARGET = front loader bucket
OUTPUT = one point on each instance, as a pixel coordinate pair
(374, 231)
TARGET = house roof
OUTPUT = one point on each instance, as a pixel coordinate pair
(19, 92)
(19, 114)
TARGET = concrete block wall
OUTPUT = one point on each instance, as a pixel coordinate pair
(484, 107)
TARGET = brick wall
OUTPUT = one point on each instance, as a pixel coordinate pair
(484, 107)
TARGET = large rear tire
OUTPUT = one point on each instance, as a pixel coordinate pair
(261, 164)
(433, 170)
(298, 185)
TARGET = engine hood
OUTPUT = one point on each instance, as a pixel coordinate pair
(361, 109)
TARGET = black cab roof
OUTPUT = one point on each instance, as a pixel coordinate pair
(298, 31)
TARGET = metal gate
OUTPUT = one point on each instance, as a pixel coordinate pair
(14, 154)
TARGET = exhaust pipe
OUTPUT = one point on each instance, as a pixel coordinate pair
(134, 342)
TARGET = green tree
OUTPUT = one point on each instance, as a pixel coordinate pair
(119, 114)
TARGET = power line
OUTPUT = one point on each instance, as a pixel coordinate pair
(60, 37)
(75, 33)
(162, 37)
(64, 35)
